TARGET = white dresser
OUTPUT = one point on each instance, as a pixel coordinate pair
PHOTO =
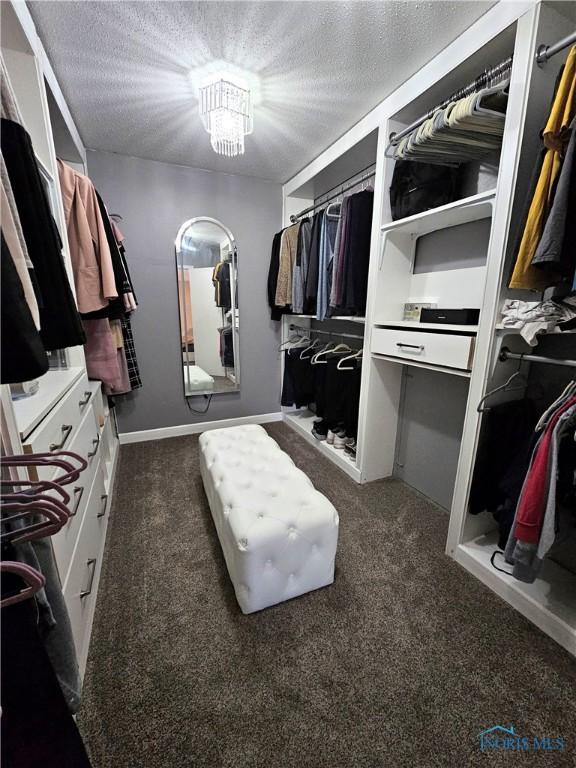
(69, 413)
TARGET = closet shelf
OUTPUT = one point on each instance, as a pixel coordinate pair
(347, 318)
(302, 422)
(503, 330)
(472, 329)
(462, 211)
(31, 410)
(416, 364)
(548, 602)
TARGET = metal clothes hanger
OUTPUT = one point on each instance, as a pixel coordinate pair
(32, 578)
(517, 375)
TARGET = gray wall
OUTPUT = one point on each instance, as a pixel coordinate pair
(154, 199)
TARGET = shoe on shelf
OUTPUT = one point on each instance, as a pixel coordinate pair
(350, 448)
(340, 439)
(332, 433)
(320, 430)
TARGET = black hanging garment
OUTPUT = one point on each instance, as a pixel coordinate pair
(311, 284)
(505, 447)
(23, 356)
(38, 730)
(275, 312)
(341, 396)
(298, 383)
(357, 256)
(226, 347)
(221, 280)
(60, 324)
(115, 309)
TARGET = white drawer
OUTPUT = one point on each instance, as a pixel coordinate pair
(447, 349)
(83, 444)
(60, 425)
(81, 584)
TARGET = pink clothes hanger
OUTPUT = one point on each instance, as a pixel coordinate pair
(40, 484)
(33, 579)
(49, 460)
(55, 521)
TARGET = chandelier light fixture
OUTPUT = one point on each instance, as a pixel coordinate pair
(226, 112)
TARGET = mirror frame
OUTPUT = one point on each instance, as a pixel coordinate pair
(177, 250)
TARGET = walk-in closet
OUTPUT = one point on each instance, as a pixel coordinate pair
(288, 383)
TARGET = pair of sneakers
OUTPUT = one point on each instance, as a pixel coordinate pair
(336, 437)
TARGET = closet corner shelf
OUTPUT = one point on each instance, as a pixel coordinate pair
(459, 212)
(346, 318)
(548, 601)
(31, 410)
(302, 421)
(416, 326)
(416, 364)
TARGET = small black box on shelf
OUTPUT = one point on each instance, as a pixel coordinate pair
(450, 316)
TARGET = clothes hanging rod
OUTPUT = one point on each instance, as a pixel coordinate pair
(546, 52)
(341, 190)
(482, 80)
(326, 333)
(505, 354)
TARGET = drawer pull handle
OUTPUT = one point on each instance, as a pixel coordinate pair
(85, 400)
(419, 347)
(104, 498)
(96, 444)
(78, 493)
(88, 590)
(66, 429)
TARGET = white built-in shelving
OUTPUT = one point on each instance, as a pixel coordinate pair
(549, 601)
(494, 192)
(453, 214)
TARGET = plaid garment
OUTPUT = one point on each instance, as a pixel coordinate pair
(130, 352)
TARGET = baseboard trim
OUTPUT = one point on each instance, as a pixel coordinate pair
(192, 429)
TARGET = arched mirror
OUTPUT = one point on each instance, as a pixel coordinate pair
(207, 271)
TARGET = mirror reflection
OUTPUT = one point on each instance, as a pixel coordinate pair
(206, 264)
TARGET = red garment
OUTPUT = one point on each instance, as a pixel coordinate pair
(532, 503)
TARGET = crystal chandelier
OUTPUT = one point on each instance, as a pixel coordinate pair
(226, 113)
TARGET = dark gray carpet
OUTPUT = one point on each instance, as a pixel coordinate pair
(402, 662)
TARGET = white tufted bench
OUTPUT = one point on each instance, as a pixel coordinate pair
(278, 533)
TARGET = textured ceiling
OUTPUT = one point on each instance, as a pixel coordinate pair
(124, 70)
